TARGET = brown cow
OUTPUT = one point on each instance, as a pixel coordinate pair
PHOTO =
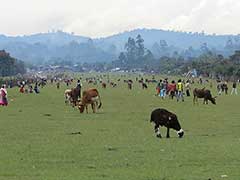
(72, 96)
(203, 93)
(90, 96)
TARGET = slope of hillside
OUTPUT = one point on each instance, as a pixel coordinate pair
(60, 45)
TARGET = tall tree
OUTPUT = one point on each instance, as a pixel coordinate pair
(10, 66)
(130, 47)
(140, 46)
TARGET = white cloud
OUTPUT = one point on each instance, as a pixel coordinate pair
(104, 17)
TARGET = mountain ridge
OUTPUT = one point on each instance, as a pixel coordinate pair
(59, 44)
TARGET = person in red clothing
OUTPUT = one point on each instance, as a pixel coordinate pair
(172, 89)
(21, 90)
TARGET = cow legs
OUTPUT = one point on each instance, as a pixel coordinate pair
(86, 108)
(168, 136)
(157, 131)
(93, 107)
(195, 99)
(205, 101)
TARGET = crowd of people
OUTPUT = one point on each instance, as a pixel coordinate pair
(174, 89)
(180, 88)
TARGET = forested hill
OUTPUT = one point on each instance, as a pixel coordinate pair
(173, 38)
(58, 45)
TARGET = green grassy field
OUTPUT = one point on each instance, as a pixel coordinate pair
(118, 142)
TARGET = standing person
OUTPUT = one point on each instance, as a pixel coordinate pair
(225, 87)
(158, 89)
(172, 89)
(36, 88)
(219, 90)
(58, 85)
(187, 87)
(30, 89)
(130, 84)
(234, 88)
(21, 90)
(79, 87)
(163, 89)
(3, 96)
(180, 90)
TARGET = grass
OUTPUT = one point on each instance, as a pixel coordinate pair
(39, 138)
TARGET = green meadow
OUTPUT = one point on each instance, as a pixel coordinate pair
(41, 138)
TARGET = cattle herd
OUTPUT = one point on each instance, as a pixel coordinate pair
(160, 117)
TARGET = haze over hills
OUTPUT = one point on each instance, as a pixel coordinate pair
(58, 45)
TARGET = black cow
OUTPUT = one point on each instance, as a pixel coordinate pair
(205, 94)
(162, 117)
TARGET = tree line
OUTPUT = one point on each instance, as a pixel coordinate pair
(10, 66)
(209, 63)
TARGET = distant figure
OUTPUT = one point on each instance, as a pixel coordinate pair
(187, 87)
(180, 90)
(172, 89)
(79, 87)
(144, 85)
(58, 85)
(219, 89)
(225, 87)
(163, 87)
(158, 89)
(3, 96)
(234, 88)
(30, 89)
(21, 90)
(129, 84)
(36, 90)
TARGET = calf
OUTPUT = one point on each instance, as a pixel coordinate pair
(162, 117)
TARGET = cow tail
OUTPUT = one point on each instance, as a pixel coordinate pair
(100, 104)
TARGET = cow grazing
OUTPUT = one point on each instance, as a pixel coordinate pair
(203, 93)
(162, 117)
(90, 96)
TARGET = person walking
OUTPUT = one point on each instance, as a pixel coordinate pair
(234, 88)
(36, 88)
(180, 90)
(187, 87)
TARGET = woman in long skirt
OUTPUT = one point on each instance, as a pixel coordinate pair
(3, 96)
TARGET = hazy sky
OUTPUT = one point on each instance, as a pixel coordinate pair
(97, 18)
